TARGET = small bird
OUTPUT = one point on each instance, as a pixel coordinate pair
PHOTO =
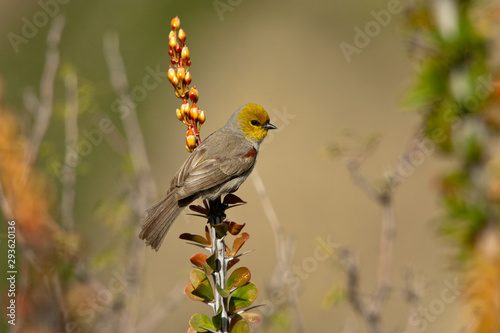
(218, 166)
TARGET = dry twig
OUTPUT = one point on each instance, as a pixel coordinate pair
(284, 250)
(140, 196)
(69, 171)
(371, 308)
(45, 104)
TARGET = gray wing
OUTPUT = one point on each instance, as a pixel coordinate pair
(206, 168)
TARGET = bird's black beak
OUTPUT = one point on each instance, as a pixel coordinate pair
(269, 126)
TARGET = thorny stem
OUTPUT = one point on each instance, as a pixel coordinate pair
(217, 212)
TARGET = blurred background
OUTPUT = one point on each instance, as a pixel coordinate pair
(300, 61)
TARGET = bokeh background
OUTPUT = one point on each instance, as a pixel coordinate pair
(286, 56)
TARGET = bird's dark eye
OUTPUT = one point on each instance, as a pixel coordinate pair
(254, 123)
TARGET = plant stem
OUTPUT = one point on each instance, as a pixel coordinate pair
(217, 210)
(46, 103)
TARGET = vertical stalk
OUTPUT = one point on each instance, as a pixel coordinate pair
(217, 210)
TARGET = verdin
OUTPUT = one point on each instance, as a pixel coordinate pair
(218, 166)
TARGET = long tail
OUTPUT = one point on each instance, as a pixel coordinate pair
(158, 219)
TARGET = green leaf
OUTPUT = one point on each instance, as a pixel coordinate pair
(211, 261)
(241, 326)
(473, 149)
(207, 269)
(204, 291)
(201, 284)
(332, 298)
(238, 278)
(221, 229)
(223, 292)
(188, 291)
(281, 320)
(217, 320)
(195, 238)
(201, 323)
(243, 297)
(196, 277)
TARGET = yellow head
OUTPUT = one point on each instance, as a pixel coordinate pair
(254, 122)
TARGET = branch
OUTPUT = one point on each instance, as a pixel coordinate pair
(358, 179)
(45, 106)
(352, 272)
(372, 312)
(271, 216)
(30, 101)
(371, 309)
(388, 232)
(386, 254)
(145, 189)
(282, 247)
(71, 133)
(413, 293)
(140, 161)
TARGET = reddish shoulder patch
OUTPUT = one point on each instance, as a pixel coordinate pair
(251, 153)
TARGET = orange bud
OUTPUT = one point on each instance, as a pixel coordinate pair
(172, 77)
(201, 117)
(182, 35)
(194, 113)
(185, 53)
(181, 73)
(175, 81)
(179, 114)
(185, 108)
(187, 79)
(171, 34)
(172, 42)
(176, 23)
(193, 95)
(190, 139)
(170, 73)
